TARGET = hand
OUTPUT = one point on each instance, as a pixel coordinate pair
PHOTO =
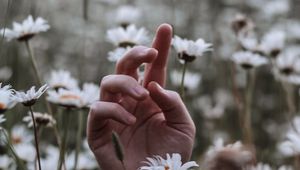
(149, 119)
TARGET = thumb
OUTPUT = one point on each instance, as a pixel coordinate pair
(170, 103)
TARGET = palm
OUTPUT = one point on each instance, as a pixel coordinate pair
(162, 124)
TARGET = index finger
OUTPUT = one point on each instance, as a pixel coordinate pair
(156, 71)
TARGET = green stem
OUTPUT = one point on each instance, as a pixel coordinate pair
(248, 134)
(289, 98)
(297, 161)
(85, 9)
(19, 162)
(182, 89)
(66, 122)
(36, 74)
(33, 63)
(36, 139)
(79, 137)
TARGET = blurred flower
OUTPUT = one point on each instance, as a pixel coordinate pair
(261, 166)
(287, 63)
(129, 36)
(241, 24)
(25, 30)
(6, 101)
(248, 60)
(21, 140)
(232, 156)
(20, 134)
(214, 107)
(285, 168)
(273, 43)
(41, 119)
(50, 161)
(84, 161)
(2, 119)
(291, 147)
(249, 41)
(127, 15)
(117, 54)
(26, 152)
(75, 98)
(30, 97)
(5, 73)
(5, 162)
(292, 29)
(89, 94)
(192, 80)
(62, 79)
(276, 8)
(209, 110)
(68, 98)
(189, 50)
(172, 163)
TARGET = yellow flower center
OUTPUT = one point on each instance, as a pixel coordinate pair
(69, 96)
(2, 106)
(16, 140)
(167, 168)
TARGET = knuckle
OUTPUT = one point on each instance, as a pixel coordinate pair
(174, 95)
(105, 80)
(93, 110)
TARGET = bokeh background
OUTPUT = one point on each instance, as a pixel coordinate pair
(77, 43)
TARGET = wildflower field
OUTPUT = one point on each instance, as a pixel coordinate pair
(66, 67)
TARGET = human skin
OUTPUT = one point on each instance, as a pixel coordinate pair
(148, 119)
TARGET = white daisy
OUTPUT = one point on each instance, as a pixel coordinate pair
(129, 36)
(89, 94)
(26, 152)
(248, 60)
(50, 161)
(68, 98)
(5, 73)
(214, 107)
(261, 166)
(62, 79)
(25, 30)
(41, 119)
(273, 42)
(287, 63)
(249, 41)
(171, 163)
(210, 111)
(84, 161)
(276, 8)
(118, 53)
(241, 24)
(232, 154)
(127, 15)
(2, 119)
(20, 134)
(189, 50)
(21, 140)
(283, 167)
(291, 147)
(192, 80)
(293, 29)
(30, 97)
(6, 101)
(5, 162)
